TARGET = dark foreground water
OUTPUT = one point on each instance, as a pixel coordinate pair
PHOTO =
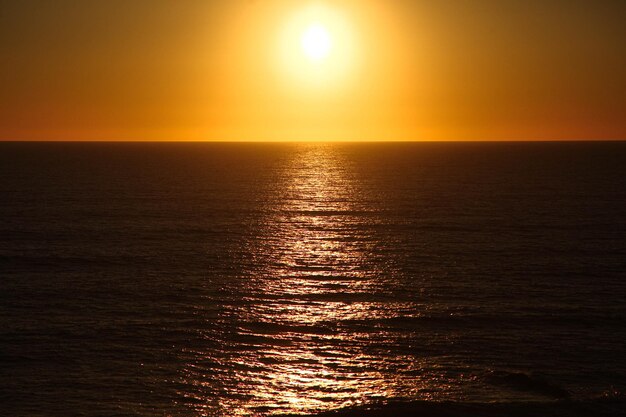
(258, 279)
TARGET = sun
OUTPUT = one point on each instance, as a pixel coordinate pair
(316, 42)
(316, 51)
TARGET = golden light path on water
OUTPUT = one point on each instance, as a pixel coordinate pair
(301, 338)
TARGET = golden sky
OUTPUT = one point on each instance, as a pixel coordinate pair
(373, 70)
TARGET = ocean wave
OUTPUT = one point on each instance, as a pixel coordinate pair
(526, 382)
(604, 406)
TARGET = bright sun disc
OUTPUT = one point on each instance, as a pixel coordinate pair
(316, 42)
(317, 51)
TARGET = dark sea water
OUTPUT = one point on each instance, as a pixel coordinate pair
(259, 279)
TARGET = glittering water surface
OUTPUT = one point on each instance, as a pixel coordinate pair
(235, 280)
(312, 283)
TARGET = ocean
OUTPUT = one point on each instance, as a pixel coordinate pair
(225, 280)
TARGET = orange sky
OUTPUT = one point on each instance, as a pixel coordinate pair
(234, 70)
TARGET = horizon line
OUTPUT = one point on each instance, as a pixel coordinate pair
(309, 141)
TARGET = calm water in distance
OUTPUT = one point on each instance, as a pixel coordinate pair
(256, 279)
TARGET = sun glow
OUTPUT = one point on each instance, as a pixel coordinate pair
(313, 70)
(316, 42)
(317, 49)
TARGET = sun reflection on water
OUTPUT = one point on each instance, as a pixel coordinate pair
(297, 336)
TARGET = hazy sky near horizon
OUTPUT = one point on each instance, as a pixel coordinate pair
(232, 70)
